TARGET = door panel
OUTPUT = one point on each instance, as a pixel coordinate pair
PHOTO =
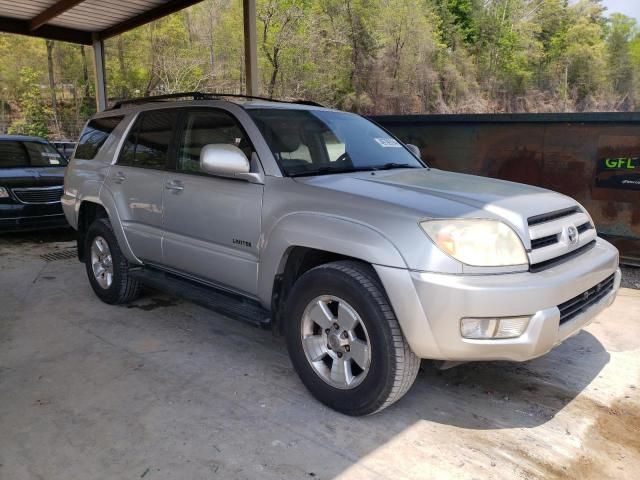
(138, 196)
(137, 181)
(212, 228)
(211, 224)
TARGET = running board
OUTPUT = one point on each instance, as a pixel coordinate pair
(220, 301)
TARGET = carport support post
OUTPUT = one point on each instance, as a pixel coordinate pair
(98, 63)
(250, 47)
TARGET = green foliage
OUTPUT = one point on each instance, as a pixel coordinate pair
(34, 117)
(370, 56)
(621, 32)
(459, 19)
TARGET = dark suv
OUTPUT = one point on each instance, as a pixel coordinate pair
(31, 184)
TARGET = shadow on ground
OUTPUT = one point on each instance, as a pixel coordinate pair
(494, 395)
(480, 395)
(38, 236)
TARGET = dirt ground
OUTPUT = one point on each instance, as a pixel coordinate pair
(164, 389)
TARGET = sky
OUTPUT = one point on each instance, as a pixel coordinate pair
(628, 7)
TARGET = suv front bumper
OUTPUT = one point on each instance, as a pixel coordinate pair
(430, 306)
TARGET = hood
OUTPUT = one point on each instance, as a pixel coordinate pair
(31, 177)
(438, 194)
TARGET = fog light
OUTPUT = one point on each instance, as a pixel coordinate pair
(493, 328)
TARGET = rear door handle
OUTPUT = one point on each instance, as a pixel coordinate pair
(175, 186)
(119, 177)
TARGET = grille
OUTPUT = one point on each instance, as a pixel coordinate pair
(554, 240)
(552, 262)
(544, 241)
(584, 301)
(583, 228)
(39, 194)
(550, 217)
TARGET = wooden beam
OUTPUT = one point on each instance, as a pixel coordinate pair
(23, 27)
(155, 13)
(52, 12)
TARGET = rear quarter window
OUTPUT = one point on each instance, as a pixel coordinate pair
(94, 136)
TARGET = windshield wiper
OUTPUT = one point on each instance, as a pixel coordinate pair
(391, 166)
(369, 168)
(329, 170)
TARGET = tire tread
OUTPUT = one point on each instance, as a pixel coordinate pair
(129, 288)
(406, 364)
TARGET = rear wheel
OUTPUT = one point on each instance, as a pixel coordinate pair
(345, 341)
(107, 268)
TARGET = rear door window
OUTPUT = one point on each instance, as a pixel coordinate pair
(94, 136)
(148, 142)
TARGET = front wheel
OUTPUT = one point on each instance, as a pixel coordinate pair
(345, 341)
(107, 267)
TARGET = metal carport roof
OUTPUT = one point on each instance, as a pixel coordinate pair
(90, 22)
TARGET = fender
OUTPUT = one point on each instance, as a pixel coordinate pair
(105, 198)
(337, 235)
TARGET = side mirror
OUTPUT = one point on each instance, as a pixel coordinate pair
(415, 150)
(223, 159)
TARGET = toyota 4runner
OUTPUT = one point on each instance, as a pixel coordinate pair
(325, 227)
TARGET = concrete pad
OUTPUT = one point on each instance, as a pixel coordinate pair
(164, 389)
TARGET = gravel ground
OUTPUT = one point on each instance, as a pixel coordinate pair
(631, 277)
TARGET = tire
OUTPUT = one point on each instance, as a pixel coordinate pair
(121, 288)
(351, 293)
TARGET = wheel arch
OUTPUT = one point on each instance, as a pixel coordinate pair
(92, 209)
(300, 242)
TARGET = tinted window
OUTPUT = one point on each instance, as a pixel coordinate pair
(147, 144)
(204, 127)
(15, 154)
(94, 135)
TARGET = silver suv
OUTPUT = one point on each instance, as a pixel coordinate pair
(323, 226)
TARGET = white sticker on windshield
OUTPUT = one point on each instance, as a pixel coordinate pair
(54, 161)
(388, 142)
(50, 155)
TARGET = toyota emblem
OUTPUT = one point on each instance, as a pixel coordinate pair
(572, 235)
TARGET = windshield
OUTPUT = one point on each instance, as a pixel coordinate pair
(16, 154)
(316, 142)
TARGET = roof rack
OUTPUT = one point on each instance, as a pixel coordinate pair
(204, 96)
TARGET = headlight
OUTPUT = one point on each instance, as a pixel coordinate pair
(4, 193)
(479, 243)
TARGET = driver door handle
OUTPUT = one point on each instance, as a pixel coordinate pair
(175, 186)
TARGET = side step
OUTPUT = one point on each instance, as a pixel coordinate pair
(220, 301)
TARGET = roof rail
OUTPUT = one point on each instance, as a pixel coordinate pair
(204, 96)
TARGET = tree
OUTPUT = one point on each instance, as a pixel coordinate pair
(369, 56)
(52, 84)
(585, 54)
(279, 19)
(621, 31)
(34, 114)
